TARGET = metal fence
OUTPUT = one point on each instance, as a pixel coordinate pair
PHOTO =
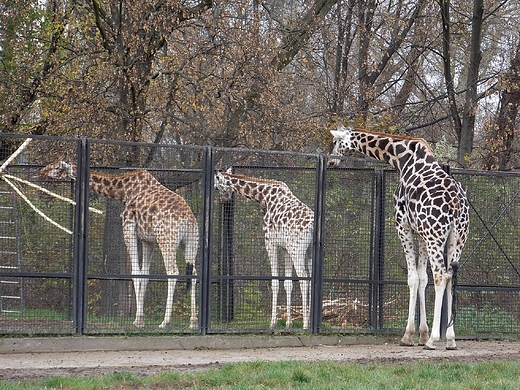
(76, 278)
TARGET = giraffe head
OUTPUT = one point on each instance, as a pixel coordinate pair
(341, 144)
(221, 183)
(61, 169)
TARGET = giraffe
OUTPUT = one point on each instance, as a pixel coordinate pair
(428, 203)
(152, 214)
(287, 223)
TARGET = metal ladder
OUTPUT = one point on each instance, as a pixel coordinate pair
(11, 288)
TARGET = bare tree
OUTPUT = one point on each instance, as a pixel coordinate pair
(132, 34)
(232, 73)
(502, 141)
(465, 127)
(23, 80)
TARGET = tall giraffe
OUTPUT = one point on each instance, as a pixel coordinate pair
(152, 214)
(428, 203)
(287, 223)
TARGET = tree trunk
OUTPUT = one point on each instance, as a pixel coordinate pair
(446, 59)
(367, 79)
(470, 104)
(343, 46)
(508, 113)
(365, 16)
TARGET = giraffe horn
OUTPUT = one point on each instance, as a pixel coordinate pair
(340, 122)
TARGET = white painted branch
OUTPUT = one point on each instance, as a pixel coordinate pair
(15, 154)
(20, 193)
(94, 210)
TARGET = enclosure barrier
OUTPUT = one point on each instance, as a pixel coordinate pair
(65, 269)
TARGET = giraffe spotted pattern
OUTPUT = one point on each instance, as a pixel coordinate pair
(430, 204)
(152, 214)
(287, 223)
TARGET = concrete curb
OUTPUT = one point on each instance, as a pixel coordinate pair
(162, 343)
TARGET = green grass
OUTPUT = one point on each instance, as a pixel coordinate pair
(299, 375)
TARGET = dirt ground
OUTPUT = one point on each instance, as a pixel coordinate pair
(22, 366)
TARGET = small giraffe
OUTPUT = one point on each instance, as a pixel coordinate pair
(287, 222)
(152, 214)
(428, 203)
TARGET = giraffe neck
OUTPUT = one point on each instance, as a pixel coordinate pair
(254, 189)
(120, 186)
(403, 153)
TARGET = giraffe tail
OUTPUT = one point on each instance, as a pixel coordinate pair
(455, 270)
(189, 272)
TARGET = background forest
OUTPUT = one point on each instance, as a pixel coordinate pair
(266, 74)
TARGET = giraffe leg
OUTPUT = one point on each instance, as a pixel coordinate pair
(170, 264)
(440, 281)
(130, 239)
(288, 286)
(307, 286)
(273, 259)
(304, 287)
(406, 238)
(450, 331)
(139, 311)
(298, 260)
(454, 245)
(169, 300)
(192, 244)
(413, 282)
(194, 321)
(423, 281)
(143, 282)
(168, 243)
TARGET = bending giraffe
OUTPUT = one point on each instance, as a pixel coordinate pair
(152, 214)
(428, 203)
(287, 223)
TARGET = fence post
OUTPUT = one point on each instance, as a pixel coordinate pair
(80, 236)
(205, 250)
(316, 284)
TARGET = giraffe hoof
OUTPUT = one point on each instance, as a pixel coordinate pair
(429, 347)
(139, 323)
(451, 346)
(407, 341)
(423, 340)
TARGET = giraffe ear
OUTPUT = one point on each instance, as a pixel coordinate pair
(229, 170)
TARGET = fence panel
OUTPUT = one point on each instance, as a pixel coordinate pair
(348, 250)
(489, 278)
(241, 294)
(111, 300)
(36, 263)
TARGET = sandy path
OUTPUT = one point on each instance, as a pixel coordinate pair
(38, 365)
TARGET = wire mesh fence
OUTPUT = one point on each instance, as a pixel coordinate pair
(66, 268)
